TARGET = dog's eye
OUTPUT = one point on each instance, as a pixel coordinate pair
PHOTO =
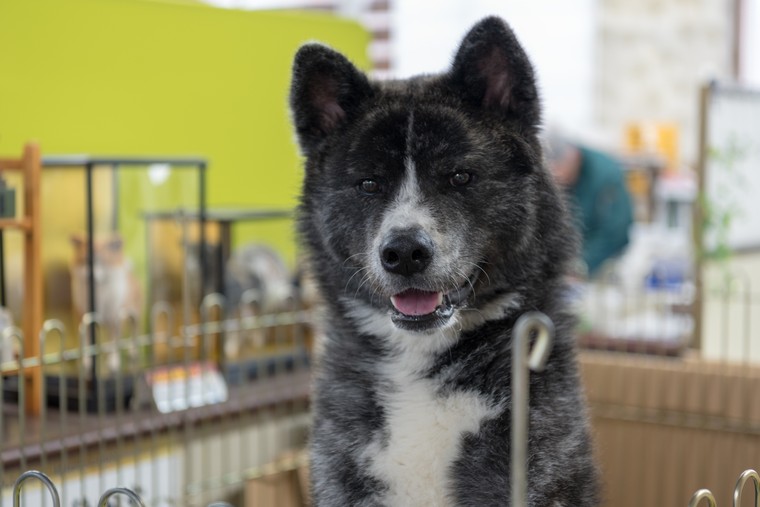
(460, 179)
(369, 186)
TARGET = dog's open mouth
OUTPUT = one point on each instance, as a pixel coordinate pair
(417, 303)
(418, 310)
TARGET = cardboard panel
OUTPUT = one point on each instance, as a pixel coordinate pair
(665, 428)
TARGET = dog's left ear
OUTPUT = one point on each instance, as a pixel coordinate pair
(492, 70)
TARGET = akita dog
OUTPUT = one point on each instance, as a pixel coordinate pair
(431, 225)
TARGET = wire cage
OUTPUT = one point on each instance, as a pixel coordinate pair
(194, 432)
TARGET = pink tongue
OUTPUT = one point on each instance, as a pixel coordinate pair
(416, 302)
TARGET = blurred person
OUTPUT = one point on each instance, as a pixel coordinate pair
(598, 197)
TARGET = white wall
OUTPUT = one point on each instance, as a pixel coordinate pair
(653, 58)
(750, 43)
(602, 64)
(558, 36)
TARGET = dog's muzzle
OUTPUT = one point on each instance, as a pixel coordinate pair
(406, 255)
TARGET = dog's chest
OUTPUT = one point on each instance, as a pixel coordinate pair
(424, 430)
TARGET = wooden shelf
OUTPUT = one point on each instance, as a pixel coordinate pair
(10, 164)
(29, 164)
(15, 372)
(23, 224)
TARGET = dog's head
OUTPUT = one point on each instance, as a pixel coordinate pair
(427, 196)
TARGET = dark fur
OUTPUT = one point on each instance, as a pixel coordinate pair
(483, 117)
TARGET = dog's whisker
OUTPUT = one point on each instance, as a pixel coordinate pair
(352, 277)
(360, 254)
(367, 277)
(462, 274)
(480, 268)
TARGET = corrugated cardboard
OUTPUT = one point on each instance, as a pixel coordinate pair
(278, 490)
(289, 488)
(666, 427)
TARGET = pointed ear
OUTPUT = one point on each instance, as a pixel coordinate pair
(326, 90)
(492, 70)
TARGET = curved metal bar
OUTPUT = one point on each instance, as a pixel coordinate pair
(89, 327)
(134, 497)
(10, 333)
(159, 309)
(44, 479)
(13, 332)
(703, 494)
(130, 318)
(214, 300)
(522, 362)
(251, 304)
(211, 301)
(48, 327)
(128, 324)
(544, 328)
(131, 325)
(251, 296)
(90, 320)
(743, 478)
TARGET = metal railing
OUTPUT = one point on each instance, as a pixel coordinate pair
(178, 420)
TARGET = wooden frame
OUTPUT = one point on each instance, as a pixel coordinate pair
(29, 224)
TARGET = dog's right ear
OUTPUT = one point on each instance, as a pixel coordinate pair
(325, 91)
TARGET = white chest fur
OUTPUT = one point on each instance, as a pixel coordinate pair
(424, 428)
(424, 440)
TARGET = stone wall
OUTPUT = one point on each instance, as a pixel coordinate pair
(652, 57)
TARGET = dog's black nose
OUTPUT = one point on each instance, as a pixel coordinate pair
(406, 253)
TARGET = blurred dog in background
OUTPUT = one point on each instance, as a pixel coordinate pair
(117, 290)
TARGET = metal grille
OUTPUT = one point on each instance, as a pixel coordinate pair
(674, 410)
(126, 428)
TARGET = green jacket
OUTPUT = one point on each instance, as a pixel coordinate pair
(602, 208)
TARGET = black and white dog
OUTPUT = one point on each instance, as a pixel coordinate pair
(431, 225)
